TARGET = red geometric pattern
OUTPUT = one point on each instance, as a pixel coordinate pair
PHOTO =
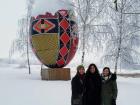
(65, 38)
(64, 24)
(63, 51)
(61, 62)
(46, 26)
(47, 15)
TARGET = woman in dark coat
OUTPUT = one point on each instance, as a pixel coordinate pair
(109, 87)
(77, 86)
(92, 86)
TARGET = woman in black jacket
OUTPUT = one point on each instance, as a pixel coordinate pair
(109, 87)
(92, 86)
(77, 86)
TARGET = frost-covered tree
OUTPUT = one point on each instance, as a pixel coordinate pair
(21, 43)
(88, 13)
(121, 46)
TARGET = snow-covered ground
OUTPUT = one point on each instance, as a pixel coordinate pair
(17, 87)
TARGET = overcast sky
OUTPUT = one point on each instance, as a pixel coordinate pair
(10, 12)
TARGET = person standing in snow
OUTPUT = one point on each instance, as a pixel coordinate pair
(109, 87)
(92, 86)
(77, 86)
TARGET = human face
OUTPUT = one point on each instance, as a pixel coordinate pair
(92, 69)
(106, 72)
(81, 71)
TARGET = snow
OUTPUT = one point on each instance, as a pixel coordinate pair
(17, 87)
(52, 6)
(128, 91)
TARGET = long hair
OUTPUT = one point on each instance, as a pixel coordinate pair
(96, 69)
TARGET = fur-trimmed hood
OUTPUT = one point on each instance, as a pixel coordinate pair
(112, 76)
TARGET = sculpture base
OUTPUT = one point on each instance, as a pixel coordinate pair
(55, 74)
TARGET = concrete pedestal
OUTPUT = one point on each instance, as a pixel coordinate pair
(55, 74)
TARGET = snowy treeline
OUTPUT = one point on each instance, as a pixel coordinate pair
(109, 29)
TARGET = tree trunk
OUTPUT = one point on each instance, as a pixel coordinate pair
(83, 44)
(27, 30)
(116, 5)
(28, 61)
(120, 38)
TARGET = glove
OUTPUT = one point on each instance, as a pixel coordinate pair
(114, 77)
(113, 102)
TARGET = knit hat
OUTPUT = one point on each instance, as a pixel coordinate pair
(79, 67)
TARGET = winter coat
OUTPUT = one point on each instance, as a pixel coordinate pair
(77, 90)
(109, 90)
(92, 89)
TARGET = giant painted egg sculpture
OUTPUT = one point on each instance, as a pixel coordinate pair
(54, 36)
